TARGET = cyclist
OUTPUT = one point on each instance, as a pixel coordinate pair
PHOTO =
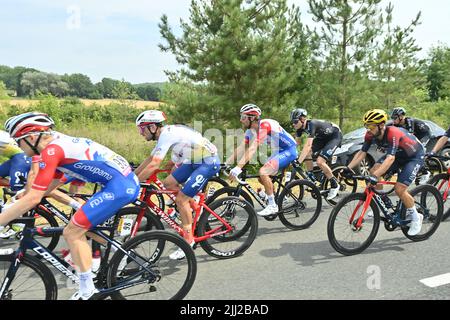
(323, 138)
(259, 131)
(83, 159)
(441, 142)
(416, 127)
(403, 152)
(195, 156)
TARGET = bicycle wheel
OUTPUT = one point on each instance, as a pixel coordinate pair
(346, 185)
(428, 202)
(228, 192)
(442, 183)
(214, 184)
(149, 221)
(44, 219)
(33, 280)
(156, 198)
(167, 280)
(299, 204)
(240, 215)
(344, 234)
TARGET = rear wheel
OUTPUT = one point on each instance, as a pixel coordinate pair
(442, 183)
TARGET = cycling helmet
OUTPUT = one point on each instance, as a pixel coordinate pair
(375, 116)
(5, 139)
(297, 113)
(29, 122)
(151, 116)
(251, 109)
(399, 111)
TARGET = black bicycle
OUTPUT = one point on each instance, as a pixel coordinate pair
(299, 201)
(139, 269)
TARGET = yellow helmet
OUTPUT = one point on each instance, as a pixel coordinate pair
(375, 116)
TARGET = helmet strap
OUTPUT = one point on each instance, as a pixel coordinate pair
(34, 147)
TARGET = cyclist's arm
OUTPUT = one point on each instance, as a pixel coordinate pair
(143, 165)
(4, 182)
(236, 153)
(440, 144)
(152, 166)
(384, 166)
(18, 208)
(248, 153)
(306, 150)
(360, 156)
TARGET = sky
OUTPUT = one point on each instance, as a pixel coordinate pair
(119, 39)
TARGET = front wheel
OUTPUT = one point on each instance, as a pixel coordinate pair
(442, 183)
(147, 272)
(299, 204)
(233, 238)
(348, 231)
(33, 280)
(429, 204)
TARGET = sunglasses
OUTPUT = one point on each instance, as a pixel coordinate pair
(370, 126)
(142, 128)
(244, 116)
(395, 118)
(295, 121)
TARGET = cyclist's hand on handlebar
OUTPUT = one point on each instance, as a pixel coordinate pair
(347, 173)
(235, 172)
(430, 154)
(373, 180)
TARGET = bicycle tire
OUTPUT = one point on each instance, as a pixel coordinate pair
(437, 181)
(49, 217)
(230, 191)
(163, 238)
(305, 186)
(249, 230)
(39, 271)
(335, 243)
(436, 220)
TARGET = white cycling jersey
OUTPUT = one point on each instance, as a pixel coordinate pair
(188, 145)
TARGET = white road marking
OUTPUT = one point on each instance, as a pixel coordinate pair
(437, 281)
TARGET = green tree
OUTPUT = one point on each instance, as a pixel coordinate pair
(3, 93)
(33, 83)
(80, 85)
(148, 92)
(13, 76)
(124, 90)
(395, 70)
(234, 52)
(107, 87)
(438, 73)
(347, 35)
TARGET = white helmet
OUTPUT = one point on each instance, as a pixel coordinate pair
(25, 123)
(251, 109)
(149, 117)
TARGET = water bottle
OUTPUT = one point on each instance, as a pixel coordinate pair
(287, 176)
(96, 259)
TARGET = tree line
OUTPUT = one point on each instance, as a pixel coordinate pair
(354, 58)
(29, 82)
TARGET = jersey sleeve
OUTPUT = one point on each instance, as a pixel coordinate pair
(51, 157)
(447, 134)
(247, 136)
(368, 139)
(393, 140)
(264, 130)
(163, 146)
(312, 129)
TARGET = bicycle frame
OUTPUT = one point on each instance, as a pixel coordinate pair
(372, 195)
(198, 209)
(29, 243)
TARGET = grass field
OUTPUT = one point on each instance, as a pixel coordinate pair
(88, 102)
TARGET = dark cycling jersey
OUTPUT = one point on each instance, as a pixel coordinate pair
(319, 129)
(418, 128)
(396, 142)
(447, 134)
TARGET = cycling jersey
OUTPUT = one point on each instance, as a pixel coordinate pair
(16, 168)
(89, 161)
(418, 128)
(396, 142)
(188, 145)
(447, 134)
(271, 133)
(319, 129)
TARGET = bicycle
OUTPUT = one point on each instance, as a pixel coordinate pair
(138, 264)
(357, 216)
(225, 228)
(299, 201)
(442, 183)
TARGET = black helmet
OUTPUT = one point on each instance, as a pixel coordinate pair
(297, 113)
(399, 111)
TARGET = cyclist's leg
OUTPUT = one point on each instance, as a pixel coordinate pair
(100, 207)
(406, 176)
